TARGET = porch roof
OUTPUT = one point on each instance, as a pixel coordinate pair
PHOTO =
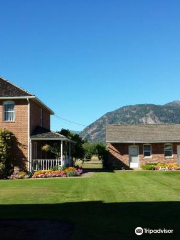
(142, 133)
(41, 133)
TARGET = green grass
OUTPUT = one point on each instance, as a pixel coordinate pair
(109, 205)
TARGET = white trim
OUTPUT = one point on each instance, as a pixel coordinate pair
(62, 162)
(23, 97)
(6, 103)
(51, 139)
(30, 97)
(133, 165)
(30, 156)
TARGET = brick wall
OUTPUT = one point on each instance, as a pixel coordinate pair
(119, 154)
(20, 129)
(36, 116)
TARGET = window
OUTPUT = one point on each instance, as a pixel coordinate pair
(147, 150)
(168, 150)
(9, 113)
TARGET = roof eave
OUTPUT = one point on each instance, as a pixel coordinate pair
(30, 97)
(44, 105)
(21, 97)
(160, 141)
(51, 139)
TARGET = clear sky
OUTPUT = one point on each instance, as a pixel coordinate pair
(84, 58)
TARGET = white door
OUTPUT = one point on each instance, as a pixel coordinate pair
(134, 156)
(178, 155)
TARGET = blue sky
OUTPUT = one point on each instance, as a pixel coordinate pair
(86, 58)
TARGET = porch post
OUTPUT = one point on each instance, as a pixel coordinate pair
(66, 158)
(70, 160)
(62, 161)
(30, 155)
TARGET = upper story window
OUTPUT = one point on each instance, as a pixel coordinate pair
(9, 112)
(147, 149)
(168, 150)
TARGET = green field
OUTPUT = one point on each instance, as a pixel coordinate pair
(109, 205)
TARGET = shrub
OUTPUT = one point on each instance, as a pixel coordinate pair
(71, 174)
(6, 166)
(149, 166)
(19, 175)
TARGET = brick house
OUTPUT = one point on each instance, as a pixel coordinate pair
(130, 146)
(28, 118)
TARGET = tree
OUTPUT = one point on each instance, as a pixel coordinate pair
(98, 149)
(77, 148)
(6, 166)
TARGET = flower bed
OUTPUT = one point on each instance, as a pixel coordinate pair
(68, 172)
(19, 175)
(163, 166)
(160, 166)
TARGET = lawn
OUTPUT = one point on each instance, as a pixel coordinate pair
(109, 205)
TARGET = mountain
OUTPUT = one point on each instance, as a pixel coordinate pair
(133, 114)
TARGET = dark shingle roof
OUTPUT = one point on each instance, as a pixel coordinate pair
(43, 133)
(8, 89)
(147, 133)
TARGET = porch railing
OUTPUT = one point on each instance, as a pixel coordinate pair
(47, 164)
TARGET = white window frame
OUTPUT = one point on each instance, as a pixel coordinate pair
(6, 103)
(171, 150)
(146, 151)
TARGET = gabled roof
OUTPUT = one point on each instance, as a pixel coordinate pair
(142, 133)
(10, 91)
(41, 133)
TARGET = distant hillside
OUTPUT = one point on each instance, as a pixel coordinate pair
(136, 114)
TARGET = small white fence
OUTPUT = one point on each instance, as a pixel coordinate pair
(47, 164)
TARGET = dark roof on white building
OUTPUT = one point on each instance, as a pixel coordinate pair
(142, 133)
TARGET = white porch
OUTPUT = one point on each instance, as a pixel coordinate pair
(40, 160)
(47, 164)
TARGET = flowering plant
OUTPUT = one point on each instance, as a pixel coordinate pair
(166, 166)
(19, 175)
(68, 172)
(48, 174)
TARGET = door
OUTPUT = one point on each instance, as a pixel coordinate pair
(178, 155)
(134, 156)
